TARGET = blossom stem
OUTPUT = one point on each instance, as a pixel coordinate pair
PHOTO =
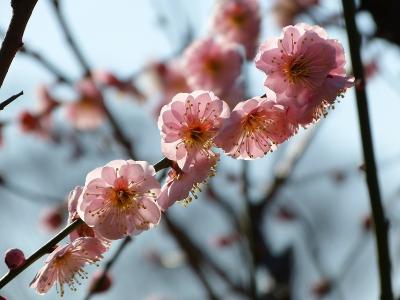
(46, 248)
(381, 223)
(22, 10)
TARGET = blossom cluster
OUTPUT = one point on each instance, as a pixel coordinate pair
(305, 74)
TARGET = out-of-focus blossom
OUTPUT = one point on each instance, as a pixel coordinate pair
(171, 80)
(212, 65)
(47, 103)
(189, 125)
(286, 11)
(30, 122)
(2, 298)
(108, 78)
(97, 287)
(253, 127)
(66, 262)
(305, 69)
(87, 112)
(238, 21)
(14, 258)
(53, 218)
(119, 199)
(82, 230)
(184, 185)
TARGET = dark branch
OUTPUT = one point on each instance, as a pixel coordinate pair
(10, 100)
(22, 10)
(380, 221)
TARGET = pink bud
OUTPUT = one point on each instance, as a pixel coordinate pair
(52, 219)
(367, 223)
(285, 214)
(321, 288)
(101, 286)
(2, 298)
(226, 240)
(29, 122)
(14, 258)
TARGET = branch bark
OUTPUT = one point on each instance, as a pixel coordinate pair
(381, 223)
(22, 10)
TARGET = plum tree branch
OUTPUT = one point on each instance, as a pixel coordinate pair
(22, 11)
(381, 223)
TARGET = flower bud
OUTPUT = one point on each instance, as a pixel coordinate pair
(321, 288)
(99, 284)
(2, 298)
(14, 258)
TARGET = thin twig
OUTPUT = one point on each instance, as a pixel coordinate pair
(10, 100)
(22, 10)
(380, 221)
(249, 230)
(70, 40)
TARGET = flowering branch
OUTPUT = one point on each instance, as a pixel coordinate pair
(380, 221)
(49, 246)
(22, 10)
(10, 100)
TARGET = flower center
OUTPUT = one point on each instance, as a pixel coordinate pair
(238, 17)
(296, 70)
(198, 136)
(212, 66)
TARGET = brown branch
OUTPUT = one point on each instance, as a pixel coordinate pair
(10, 100)
(381, 223)
(22, 10)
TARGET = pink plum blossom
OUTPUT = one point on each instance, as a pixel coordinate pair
(189, 124)
(87, 112)
(183, 185)
(82, 230)
(66, 262)
(119, 199)
(238, 21)
(254, 127)
(212, 65)
(305, 69)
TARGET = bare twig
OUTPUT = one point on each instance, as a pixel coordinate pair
(380, 221)
(10, 100)
(22, 10)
